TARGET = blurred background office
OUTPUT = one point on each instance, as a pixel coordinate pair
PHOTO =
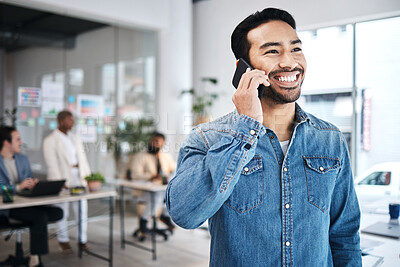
(112, 63)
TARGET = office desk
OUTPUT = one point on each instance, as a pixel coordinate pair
(24, 202)
(146, 187)
(379, 246)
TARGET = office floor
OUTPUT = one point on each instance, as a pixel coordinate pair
(184, 248)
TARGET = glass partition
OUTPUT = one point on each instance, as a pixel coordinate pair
(112, 68)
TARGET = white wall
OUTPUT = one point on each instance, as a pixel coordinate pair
(215, 20)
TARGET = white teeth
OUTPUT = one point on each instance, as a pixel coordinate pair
(287, 78)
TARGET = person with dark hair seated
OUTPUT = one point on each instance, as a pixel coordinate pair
(15, 171)
(152, 166)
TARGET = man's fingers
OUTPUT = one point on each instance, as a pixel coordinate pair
(243, 82)
(251, 79)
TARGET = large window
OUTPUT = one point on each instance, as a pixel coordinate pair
(327, 89)
(378, 65)
(329, 54)
(352, 82)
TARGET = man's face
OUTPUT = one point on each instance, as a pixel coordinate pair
(68, 122)
(157, 142)
(16, 142)
(276, 49)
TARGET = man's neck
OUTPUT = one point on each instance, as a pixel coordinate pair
(279, 118)
(64, 131)
(6, 153)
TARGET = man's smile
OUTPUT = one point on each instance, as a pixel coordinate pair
(286, 79)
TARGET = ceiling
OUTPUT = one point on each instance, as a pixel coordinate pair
(22, 28)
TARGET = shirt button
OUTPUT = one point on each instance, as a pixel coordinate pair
(246, 169)
(285, 169)
(287, 243)
(272, 137)
(287, 206)
(252, 132)
(321, 169)
(247, 146)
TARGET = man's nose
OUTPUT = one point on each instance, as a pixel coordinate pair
(287, 61)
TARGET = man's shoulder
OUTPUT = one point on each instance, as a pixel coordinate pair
(21, 157)
(206, 134)
(221, 123)
(51, 135)
(141, 155)
(321, 124)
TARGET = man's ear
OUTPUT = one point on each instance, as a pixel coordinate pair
(4, 143)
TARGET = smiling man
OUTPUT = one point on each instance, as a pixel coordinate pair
(274, 182)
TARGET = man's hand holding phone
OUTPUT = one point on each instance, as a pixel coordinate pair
(246, 97)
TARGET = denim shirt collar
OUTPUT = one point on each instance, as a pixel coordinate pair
(300, 115)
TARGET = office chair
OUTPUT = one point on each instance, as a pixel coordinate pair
(16, 227)
(157, 231)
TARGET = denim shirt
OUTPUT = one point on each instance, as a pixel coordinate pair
(264, 208)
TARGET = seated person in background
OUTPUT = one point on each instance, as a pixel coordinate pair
(153, 166)
(66, 159)
(15, 170)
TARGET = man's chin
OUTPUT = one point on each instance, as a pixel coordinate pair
(290, 95)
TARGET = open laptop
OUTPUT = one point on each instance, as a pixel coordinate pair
(43, 188)
(384, 229)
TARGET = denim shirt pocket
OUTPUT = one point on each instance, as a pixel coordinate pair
(248, 192)
(321, 175)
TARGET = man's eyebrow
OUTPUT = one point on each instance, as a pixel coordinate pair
(266, 45)
(298, 41)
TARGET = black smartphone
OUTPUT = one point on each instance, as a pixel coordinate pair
(241, 68)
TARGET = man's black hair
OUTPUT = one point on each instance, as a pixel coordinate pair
(240, 44)
(5, 134)
(63, 114)
(157, 134)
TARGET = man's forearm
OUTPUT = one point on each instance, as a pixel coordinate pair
(206, 176)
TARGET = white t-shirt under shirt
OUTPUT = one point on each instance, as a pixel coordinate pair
(11, 169)
(73, 158)
(284, 146)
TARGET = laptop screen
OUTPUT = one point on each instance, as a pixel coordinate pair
(44, 188)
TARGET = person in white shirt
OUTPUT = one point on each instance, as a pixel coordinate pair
(66, 159)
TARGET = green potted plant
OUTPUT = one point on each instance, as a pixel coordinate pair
(10, 116)
(94, 181)
(127, 140)
(201, 103)
(134, 137)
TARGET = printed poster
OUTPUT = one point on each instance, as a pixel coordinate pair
(53, 98)
(90, 106)
(29, 97)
